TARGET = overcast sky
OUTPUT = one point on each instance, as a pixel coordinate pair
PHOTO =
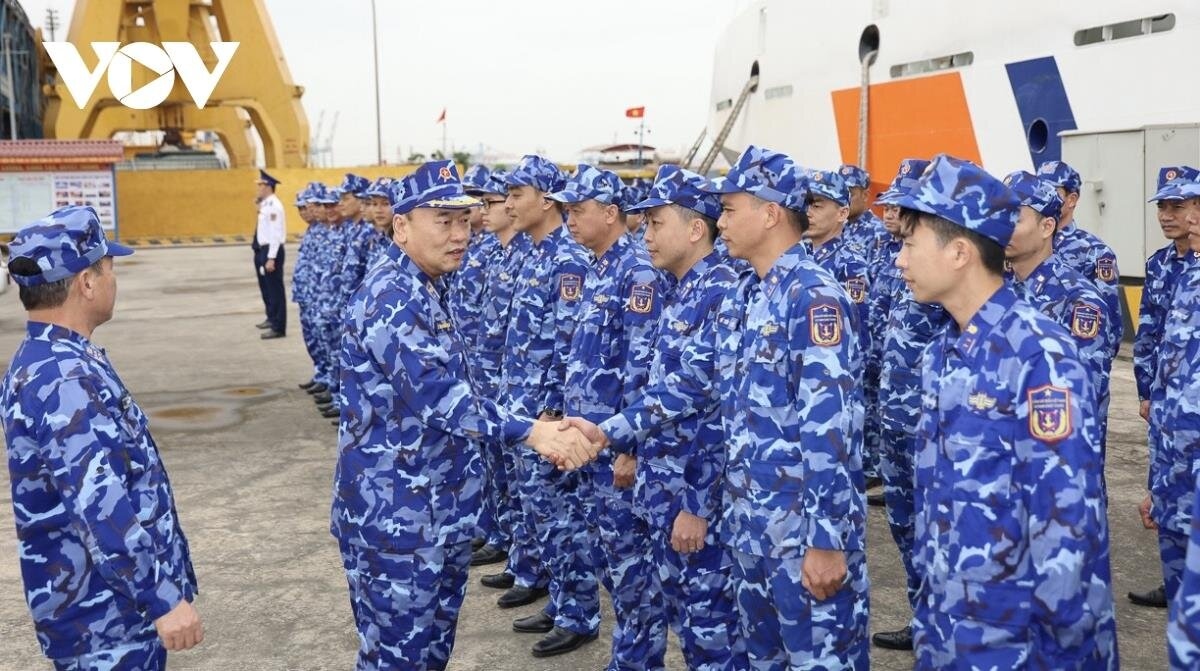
(518, 76)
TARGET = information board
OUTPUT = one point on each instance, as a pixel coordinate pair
(29, 196)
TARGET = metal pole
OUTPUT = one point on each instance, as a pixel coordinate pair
(378, 121)
(12, 92)
(444, 154)
(641, 136)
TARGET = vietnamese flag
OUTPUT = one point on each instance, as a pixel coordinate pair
(635, 112)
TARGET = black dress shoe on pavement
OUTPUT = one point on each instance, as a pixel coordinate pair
(874, 482)
(322, 407)
(271, 335)
(521, 596)
(876, 500)
(1155, 598)
(323, 397)
(264, 324)
(318, 388)
(894, 640)
(336, 422)
(332, 412)
(497, 580)
(488, 555)
(477, 543)
(307, 385)
(560, 641)
(539, 623)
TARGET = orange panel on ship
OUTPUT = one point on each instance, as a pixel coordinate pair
(913, 118)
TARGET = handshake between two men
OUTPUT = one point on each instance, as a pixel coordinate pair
(569, 443)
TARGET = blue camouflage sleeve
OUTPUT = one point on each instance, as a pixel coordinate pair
(83, 448)
(403, 342)
(1094, 336)
(566, 316)
(1060, 476)
(641, 312)
(824, 362)
(1145, 342)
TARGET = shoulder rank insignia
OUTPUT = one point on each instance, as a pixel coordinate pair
(95, 353)
(1106, 269)
(857, 288)
(443, 326)
(570, 286)
(825, 324)
(981, 401)
(1085, 321)
(641, 299)
(1050, 413)
(534, 282)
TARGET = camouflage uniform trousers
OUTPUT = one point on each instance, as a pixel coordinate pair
(872, 432)
(1172, 549)
(313, 343)
(785, 627)
(406, 605)
(698, 602)
(496, 512)
(146, 655)
(621, 557)
(328, 333)
(896, 468)
(525, 562)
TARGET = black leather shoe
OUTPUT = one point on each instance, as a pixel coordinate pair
(538, 623)
(318, 388)
(488, 555)
(560, 641)
(894, 640)
(477, 543)
(272, 334)
(1155, 598)
(876, 500)
(264, 324)
(497, 580)
(332, 412)
(521, 596)
(323, 397)
(307, 385)
(874, 482)
(324, 406)
(336, 422)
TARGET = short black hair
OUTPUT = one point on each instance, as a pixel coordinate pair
(798, 219)
(688, 214)
(946, 231)
(42, 296)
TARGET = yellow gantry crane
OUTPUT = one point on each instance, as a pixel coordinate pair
(255, 92)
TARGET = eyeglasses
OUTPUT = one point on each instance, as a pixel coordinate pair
(488, 204)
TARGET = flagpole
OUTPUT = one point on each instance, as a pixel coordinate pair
(444, 155)
(641, 136)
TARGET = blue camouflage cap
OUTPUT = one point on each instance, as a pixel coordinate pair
(830, 186)
(310, 192)
(323, 195)
(475, 177)
(495, 185)
(590, 183)
(434, 184)
(1035, 192)
(964, 193)
(540, 173)
(302, 198)
(382, 188)
(62, 243)
(854, 176)
(354, 185)
(1177, 182)
(906, 178)
(765, 174)
(1059, 173)
(264, 178)
(676, 186)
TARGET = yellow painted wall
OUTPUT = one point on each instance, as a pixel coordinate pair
(206, 203)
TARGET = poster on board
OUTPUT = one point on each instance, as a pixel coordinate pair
(29, 196)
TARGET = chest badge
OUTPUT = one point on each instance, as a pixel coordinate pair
(769, 329)
(981, 401)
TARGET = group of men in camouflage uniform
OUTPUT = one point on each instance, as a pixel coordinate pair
(678, 394)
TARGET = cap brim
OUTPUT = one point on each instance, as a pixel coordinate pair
(721, 185)
(454, 203)
(648, 204)
(913, 203)
(568, 197)
(117, 249)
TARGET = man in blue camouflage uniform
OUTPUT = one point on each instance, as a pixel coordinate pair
(107, 572)
(1180, 357)
(542, 318)
(327, 299)
(863, 229)
(608, 367)
(790, 374)
(466, 287)
(1057, 291)
(501, 269)
(302, 274)
(1082, 250)
(908, 327)
(1162, 271)
(381, 197)
(1011, 532)
(410, 426)
(1175, 445)
(676, 428)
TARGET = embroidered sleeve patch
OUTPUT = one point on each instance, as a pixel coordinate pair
(570, 287)
(1050, 413)
(1085, 321)
(641, 299)
(1106, 269)
(857, 288)
(825, 324)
